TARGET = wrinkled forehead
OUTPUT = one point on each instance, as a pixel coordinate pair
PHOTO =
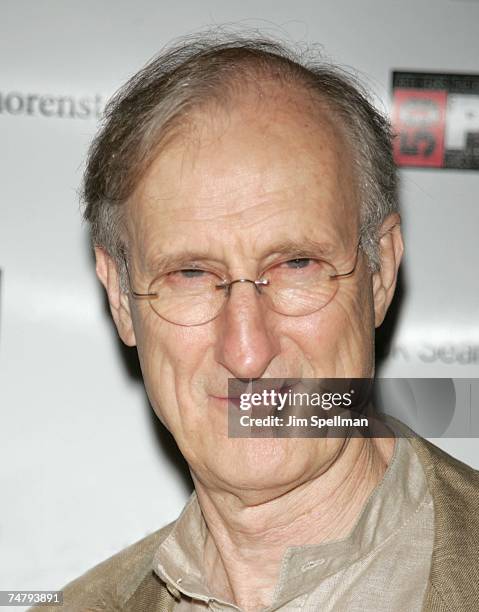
(264, 166)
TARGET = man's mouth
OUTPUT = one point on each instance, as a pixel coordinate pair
(238, 389)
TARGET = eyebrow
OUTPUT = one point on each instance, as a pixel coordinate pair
(188, 257)
(303, 247)
(294, 248)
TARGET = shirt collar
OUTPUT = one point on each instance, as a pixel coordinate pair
(179, 559)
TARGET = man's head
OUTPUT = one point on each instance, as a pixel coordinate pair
(233, 161)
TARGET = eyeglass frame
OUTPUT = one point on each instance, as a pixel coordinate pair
(226, 285)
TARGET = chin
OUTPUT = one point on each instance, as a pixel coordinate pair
(261, 463)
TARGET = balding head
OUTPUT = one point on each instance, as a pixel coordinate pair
(210, 70)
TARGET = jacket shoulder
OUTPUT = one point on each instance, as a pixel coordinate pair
(449, 476)
(109, 584)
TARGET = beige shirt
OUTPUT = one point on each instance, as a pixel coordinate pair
(383, 565)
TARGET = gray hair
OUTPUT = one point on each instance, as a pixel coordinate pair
(142, 116)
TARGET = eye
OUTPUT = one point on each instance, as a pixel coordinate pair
(298, 263)
(188, 276)
(193, 279)
(297, 269)
(190, 273)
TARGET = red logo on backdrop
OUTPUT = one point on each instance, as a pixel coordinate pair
(419, 119)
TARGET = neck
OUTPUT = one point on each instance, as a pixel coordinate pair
(246, 542)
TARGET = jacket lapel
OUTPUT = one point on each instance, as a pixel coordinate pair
(150, 596)
(454, 486)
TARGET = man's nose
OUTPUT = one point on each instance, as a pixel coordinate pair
(246, 343)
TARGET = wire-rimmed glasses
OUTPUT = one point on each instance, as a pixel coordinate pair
(194, 295)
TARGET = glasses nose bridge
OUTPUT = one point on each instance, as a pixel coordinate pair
(257, 284)
(227, 286)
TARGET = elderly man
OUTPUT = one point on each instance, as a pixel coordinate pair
(243, 211)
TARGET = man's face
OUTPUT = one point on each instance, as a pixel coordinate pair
(240, 184)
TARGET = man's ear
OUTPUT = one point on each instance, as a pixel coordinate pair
(391, 249)
(107, 272)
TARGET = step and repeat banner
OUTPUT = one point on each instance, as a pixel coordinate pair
(85, 466)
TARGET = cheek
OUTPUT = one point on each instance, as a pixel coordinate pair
(170, 356)
(338, 341)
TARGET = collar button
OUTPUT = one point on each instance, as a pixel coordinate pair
(311, 564)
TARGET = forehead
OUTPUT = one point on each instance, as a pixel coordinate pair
(270, 167)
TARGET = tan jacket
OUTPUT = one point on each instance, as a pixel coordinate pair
(127, 583)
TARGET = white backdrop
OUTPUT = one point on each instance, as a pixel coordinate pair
(84, 467)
